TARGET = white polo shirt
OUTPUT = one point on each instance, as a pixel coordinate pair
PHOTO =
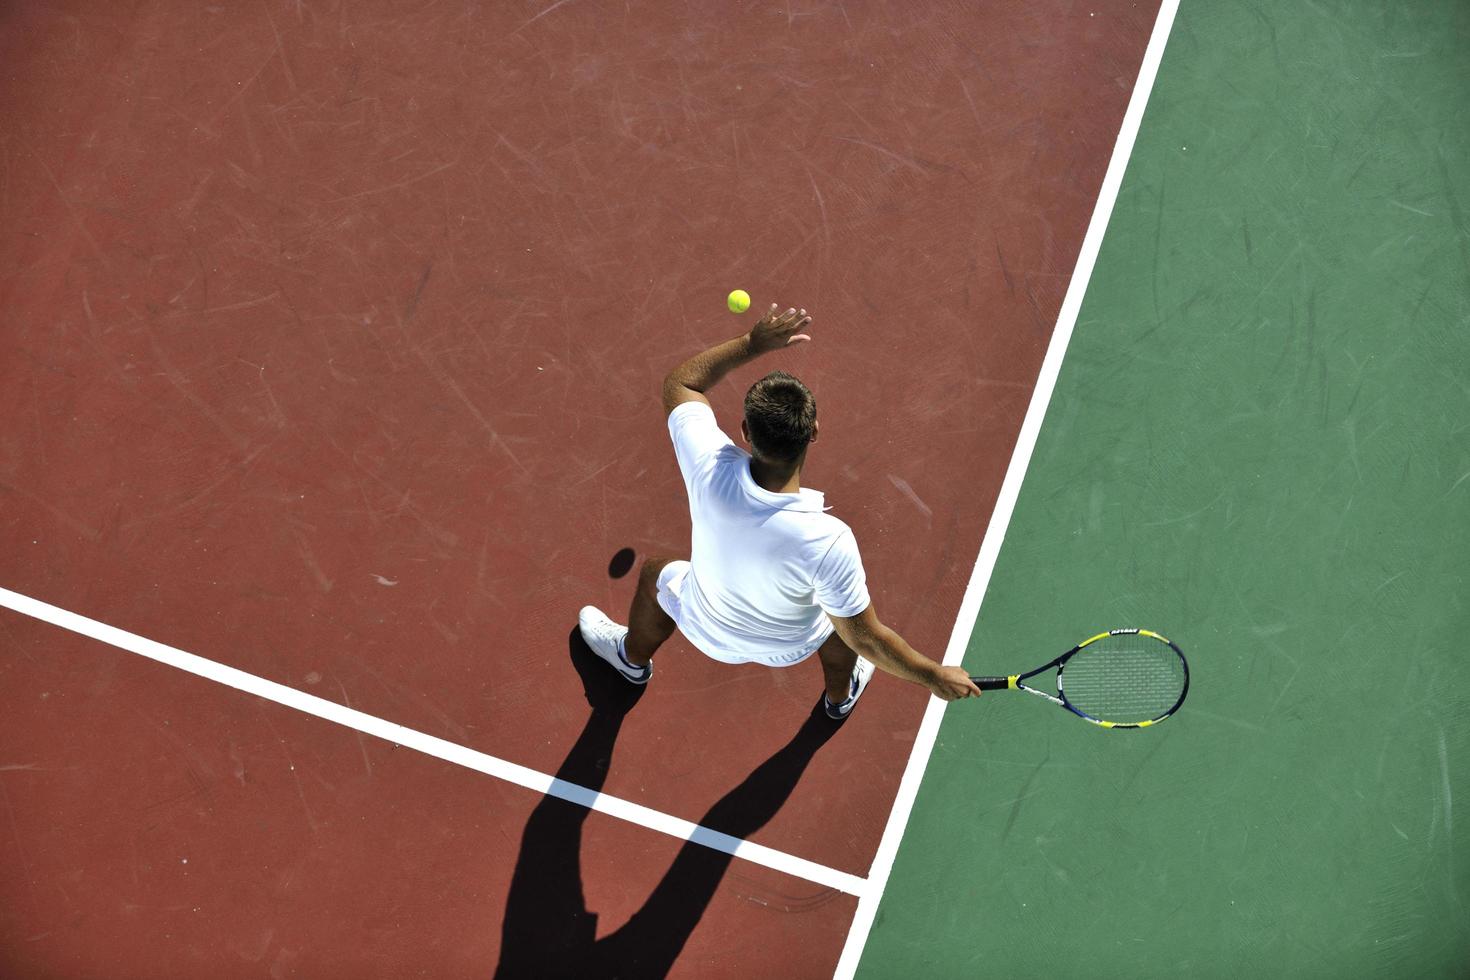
(766, 568)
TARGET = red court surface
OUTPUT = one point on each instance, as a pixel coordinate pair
(164, 825)
(331, 347)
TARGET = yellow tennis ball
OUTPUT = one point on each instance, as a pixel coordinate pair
(738, 301)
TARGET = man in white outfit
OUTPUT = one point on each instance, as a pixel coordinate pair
(772, 578)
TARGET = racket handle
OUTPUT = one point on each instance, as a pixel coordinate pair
(992, 683)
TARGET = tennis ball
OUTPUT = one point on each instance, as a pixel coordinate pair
(738, 301)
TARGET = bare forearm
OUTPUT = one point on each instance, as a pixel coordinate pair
(703, 371)
(866, 635)
(891, 653)
(690, 380)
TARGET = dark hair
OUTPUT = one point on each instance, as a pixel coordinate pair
(781, 415)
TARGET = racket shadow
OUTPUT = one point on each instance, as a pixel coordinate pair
(548, 931)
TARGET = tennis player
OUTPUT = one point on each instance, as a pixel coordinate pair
(772, 578)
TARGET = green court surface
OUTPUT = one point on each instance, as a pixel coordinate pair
(1259, 445)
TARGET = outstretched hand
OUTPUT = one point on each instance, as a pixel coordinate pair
(776, 330)
(953, 683)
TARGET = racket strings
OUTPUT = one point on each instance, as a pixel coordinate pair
(1124, 678)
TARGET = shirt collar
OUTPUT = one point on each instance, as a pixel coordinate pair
(805, 500)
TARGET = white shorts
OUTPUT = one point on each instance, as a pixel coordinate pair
(671, 586)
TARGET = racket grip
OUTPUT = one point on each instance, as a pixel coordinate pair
(992, 683)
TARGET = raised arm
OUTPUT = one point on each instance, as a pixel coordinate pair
(689, 381)
(866, 636)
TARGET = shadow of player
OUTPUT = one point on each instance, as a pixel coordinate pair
(548, 931)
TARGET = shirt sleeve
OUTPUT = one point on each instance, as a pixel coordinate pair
(841, 583)
(697, 436)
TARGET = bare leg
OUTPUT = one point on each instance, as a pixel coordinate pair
(648, 624)
(838, 661)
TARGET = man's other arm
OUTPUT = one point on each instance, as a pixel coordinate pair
(689, 381)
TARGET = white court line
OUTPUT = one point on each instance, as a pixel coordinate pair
(1005, 505)
(538, 782)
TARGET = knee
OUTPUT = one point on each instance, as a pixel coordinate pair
(648, 575)
(836, 655)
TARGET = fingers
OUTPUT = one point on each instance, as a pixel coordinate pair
(793, 320)
(957, 685)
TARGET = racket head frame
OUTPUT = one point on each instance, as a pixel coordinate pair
(1013, 682)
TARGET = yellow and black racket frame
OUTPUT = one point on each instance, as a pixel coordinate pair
(1013, 682)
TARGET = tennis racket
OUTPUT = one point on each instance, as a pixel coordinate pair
(1129, 678)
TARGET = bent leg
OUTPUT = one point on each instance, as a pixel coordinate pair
(838, 660)
(648, 625)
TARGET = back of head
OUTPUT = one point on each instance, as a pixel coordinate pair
(781, 414)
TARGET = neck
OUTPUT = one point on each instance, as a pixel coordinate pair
(776, 477)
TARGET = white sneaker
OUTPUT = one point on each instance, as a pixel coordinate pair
(862, 672)
(606, 640)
